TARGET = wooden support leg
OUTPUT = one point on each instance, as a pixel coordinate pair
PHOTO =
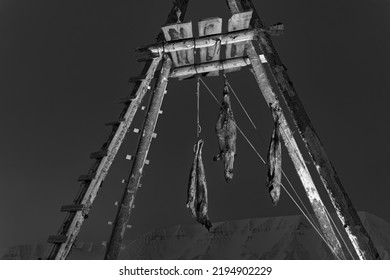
(347, 214)
(90, 187)
(63, 241)
(126, 206)
(294, 152)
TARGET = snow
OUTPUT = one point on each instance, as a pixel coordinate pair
(286, 237)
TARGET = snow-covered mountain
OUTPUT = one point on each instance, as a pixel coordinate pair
(287, 237)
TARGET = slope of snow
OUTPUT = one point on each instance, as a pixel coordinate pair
(287, 237)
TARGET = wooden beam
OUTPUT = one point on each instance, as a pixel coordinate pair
(344, 208)
(210, 66)
(127, 203)
(204, 42)
(88, 192)
(294, 152)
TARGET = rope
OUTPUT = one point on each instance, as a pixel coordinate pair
(261, 158)
(198, 127)
(261, 138)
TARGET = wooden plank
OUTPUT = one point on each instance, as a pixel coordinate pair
(176, 32)
(295, 154)
(293, 149)
(238, 21)
(72, 208)
(342, 203)
(137, 79)
(206, 27)
(211, 40)
(115, 123)
(128, 198)
(186, 71)
(86, 177)
(98, 155)
(73, 221)
(57, 239)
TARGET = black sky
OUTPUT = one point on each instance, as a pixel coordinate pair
(64, 66)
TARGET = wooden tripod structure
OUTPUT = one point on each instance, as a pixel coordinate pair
(169, 53)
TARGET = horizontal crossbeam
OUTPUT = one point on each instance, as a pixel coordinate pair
(209, 67)
(207, 41)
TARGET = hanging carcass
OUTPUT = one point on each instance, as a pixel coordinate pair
(226, 131)
(197, 201)
(274, 161)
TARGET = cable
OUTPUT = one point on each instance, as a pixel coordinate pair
(254, 126)
(261, 158)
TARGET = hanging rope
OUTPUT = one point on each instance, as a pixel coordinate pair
(198, 127)
(261, 158)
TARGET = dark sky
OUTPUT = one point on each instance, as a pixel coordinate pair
(64, 66)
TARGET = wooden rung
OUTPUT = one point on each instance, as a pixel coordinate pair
(115, 123)
(129, 157)
(149, 57)
(99, 154)
(72, 208)
(137, 79)
(128, 99)
(57, 239)
(87, 177)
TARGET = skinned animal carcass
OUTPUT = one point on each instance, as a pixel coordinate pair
(197, 202)
(226, 131)
(274, 162)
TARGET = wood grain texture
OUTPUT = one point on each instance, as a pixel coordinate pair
(175, 32)
(210, 27)
(345, 210)
(238, 21)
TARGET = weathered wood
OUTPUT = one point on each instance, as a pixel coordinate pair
(205, 41)
(208, 67)
(176, 32)
(344, 208)
(74, 220)
(115, 123)
(99, 154)
(72, 208)
(238, 21)
(294, 152)
(87, 177)
(210, 26)
(126, 206)
(59, 239)
(137, 79)
(88, 192)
